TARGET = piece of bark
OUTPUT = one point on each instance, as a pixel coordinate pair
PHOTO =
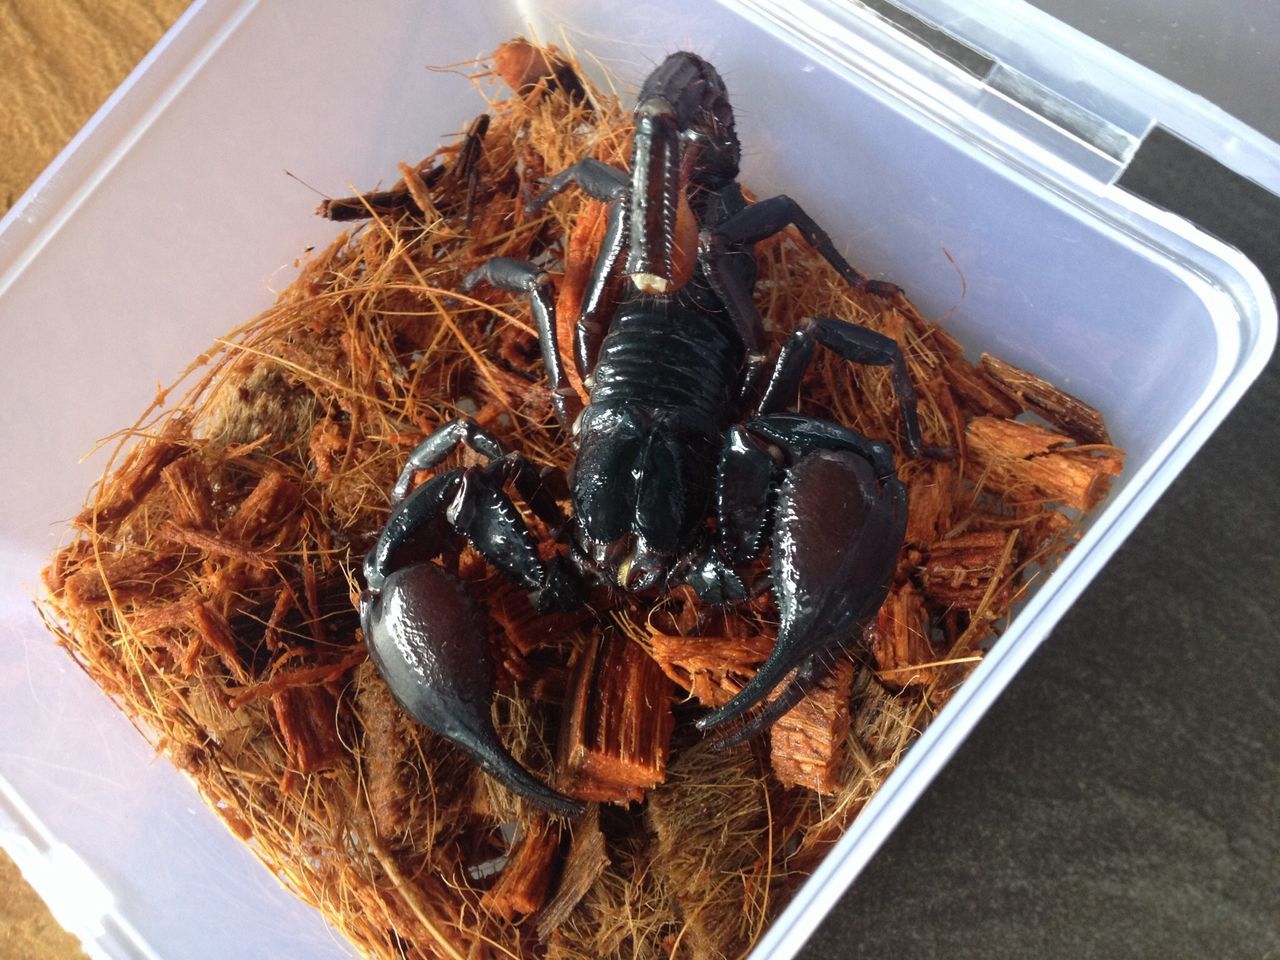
(900, 640)
(213, 545)
(306, 717)
(977, 393)
(380, 203)
(1026, 463)
(930, 501)
(973, 388)
(125, 578)
(712, 669)
(414, 190)
(418, 191)
(807, 743)
(1045, 534)
(617, 724)
(165, 616)
(217, 636)
(298, 677)
(190, 495)
(329, 443)
(583, 865)
(529, 70)
(266, 507)
(384, 752)
(284, 602)
(1070, 415)
(141, 471)
(959, 570)
(521, 888)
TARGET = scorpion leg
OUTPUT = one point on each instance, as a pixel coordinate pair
(857, 345)
(745, 481)
(606, 183)
(839, 521)
(532, 482)
(520, 276)
(592, 326)
(759, 221)
(597, 179)
(424, 632)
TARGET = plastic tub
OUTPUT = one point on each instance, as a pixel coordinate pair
(170, 218)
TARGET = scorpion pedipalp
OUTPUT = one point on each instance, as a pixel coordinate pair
(427, 639)
(837, 531)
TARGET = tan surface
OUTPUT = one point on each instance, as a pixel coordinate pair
(27, 931)
(59, 60)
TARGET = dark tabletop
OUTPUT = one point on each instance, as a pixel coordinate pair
(1122, 799)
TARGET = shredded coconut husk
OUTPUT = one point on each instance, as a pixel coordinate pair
(210, 585)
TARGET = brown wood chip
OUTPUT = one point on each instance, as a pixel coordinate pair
(522, 886)
(140, 473)
(127, 577)
(583, 865)
(617, 724)
(959, 570)
(306, 717)
(900, 640)
(264, 509)
(1026, 463)
(806, 745)
(217, 635)
(1070, 415)
(384, 752)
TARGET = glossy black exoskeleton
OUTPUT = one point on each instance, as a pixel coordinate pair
(686, 422)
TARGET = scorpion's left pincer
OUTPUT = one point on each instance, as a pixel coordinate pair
(425, 633)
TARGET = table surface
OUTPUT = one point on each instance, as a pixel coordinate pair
(1123, 797)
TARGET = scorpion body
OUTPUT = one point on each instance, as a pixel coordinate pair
(688, 466)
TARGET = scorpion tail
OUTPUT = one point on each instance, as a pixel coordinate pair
(427, 639)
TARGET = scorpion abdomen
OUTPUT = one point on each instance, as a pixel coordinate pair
(661, 355)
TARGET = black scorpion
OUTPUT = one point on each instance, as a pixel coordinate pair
(686, 421)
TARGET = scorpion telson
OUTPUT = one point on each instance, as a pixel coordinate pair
(686, 422)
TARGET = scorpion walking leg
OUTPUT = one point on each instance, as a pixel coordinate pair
(857, 345)
(599, 181)
(759, 221)
(521, 276)
(596, 178)
(592, 326)
(838, 526)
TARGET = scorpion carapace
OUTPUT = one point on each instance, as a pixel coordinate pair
(687, 466)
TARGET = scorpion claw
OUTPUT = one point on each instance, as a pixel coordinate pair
(835, 544)
(427, 639)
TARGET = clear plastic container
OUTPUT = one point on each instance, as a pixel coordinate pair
(170, 219)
